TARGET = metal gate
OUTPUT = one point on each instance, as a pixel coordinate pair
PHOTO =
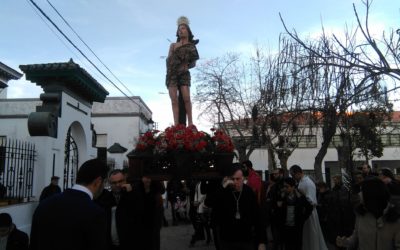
(17, 161)
(70, 161)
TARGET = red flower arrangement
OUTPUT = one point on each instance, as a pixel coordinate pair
(179, 150)
(223, 143)
(184, 138)
(147, 141)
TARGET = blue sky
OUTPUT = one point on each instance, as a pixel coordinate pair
(131, 37)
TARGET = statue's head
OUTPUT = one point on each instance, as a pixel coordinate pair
(183, 24)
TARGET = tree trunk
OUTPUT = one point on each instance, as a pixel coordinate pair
(328, 135)
(242, 152)
(271, 160)
(328, 131)
(249, 152)
(271, 154)
(318, 162)
(283, 161)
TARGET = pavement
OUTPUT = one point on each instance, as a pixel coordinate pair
(178, 237)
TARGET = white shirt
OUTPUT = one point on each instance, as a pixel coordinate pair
(3, 242)
(199, 198)
(308, 189)
(83, 189)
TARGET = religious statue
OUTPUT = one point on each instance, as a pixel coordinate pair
(182, 56)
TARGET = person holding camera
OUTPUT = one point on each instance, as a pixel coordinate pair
(118, 204)
(237, 215)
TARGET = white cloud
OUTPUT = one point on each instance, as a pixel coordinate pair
(162, 111)
(23, 89)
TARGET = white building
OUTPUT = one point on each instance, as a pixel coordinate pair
(120, 120)
(71, 122)
(7, 74)
(309, 146)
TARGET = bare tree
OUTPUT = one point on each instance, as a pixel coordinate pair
(261, 103)
(347, 73)
(372, 57)
(284, 101)
(225, 98)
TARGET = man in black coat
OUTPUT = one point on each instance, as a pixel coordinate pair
(340, 213)
(120, 211)
(51, 189)
(295, 210)
(71, 220)
(10, 237)
(237, 215)
(149, 201)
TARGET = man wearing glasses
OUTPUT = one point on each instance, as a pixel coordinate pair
(118, 205)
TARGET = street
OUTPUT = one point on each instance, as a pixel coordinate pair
(178, 237)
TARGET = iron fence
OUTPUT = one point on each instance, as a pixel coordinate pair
(17, 160)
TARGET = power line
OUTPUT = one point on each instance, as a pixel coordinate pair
(87, 46)
(80, 51)
(58, 36)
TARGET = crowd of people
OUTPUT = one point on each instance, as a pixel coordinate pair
(90, 216)
(238, 211)
(244, 212)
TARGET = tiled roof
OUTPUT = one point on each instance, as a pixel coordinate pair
(396, 116)
(9, 73)
(70, 74)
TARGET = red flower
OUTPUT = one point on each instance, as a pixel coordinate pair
(180, 137)
(223, 143)
(147, 141)
(184, 138)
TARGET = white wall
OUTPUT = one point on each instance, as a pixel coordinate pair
(122, 130)
(120, 119)
(15, 128)
(21, 215)
(305, 157)
(3, 93)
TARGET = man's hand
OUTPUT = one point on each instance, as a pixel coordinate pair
(227, 182)
(127, 187)
(261, 246)
(341, 241)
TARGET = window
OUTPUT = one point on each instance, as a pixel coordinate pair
(390, 140)
(305, 141)
(336, 140)
(302, 141)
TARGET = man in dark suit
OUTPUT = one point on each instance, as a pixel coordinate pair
(10, 237)
(51, 189)
(236, 214)
(120, 213)
(71, 220)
